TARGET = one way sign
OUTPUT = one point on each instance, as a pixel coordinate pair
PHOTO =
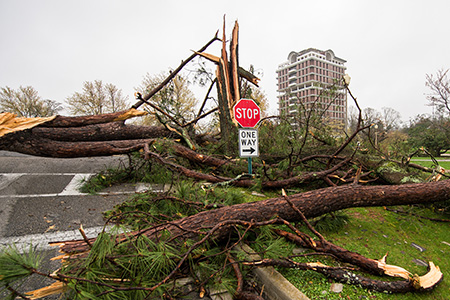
(248, 142)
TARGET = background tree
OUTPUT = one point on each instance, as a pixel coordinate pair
(175, 99)
(97, 98)
(26, 102)
(250, 91)
(372, 116)
(439, 85)
(260, 97)
(352, 118)
(433, 134)
(391, 119)
(395, 145)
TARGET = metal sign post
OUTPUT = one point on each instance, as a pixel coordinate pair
(247, 113)
(248, 145)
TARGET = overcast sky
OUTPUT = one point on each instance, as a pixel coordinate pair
(389, 46)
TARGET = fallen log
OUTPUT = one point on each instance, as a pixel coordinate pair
(377, 267)
(414, 284)
(245, 182)
(64, 121)
(217, 224)
(312, 203)
(102, 132)
(25, 142)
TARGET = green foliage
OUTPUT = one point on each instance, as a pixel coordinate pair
(395, 144)
(395, 173)
(186, 190)
(104, 179)
(137, 263)
(332, 222)
(188, 198)
(433, 134)
(15, 266)
(155, 260)
(137, 170)
(132, 266)
(278, 140)
(102, 247)
(227, 196)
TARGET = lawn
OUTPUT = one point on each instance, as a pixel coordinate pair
(444, 162)
(373, 232)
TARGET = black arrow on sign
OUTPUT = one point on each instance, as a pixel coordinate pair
(251, 150)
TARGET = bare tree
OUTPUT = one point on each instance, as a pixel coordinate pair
(25, 102)
(371, 116)
(390, 118)
(439, 85)
(97, 98)
(175, 99)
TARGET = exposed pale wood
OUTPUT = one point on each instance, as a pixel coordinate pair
(234, 63)
(57, 287)
(391, 270)
(225, 68)
(211, 57)
(346, 276)
(430, 279)
(10, 123)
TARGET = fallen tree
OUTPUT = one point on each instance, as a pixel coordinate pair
(216, 226)
(177, 147)
(312, 204)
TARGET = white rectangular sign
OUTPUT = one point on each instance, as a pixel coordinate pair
(248, 142)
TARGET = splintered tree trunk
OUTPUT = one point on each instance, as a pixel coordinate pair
(312, 204)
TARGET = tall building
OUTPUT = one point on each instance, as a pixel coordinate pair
(304, 82)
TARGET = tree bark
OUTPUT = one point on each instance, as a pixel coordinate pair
(25, 142)
(347, 277)
(102, 132)
(63, 121)
(312, 204)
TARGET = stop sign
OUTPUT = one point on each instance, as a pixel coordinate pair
(247, 113)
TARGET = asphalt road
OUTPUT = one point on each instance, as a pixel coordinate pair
(40, 202)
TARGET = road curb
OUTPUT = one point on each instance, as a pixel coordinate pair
(276, 287)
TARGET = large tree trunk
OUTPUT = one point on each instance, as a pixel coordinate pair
(312, 204)
(217, 224)
(102, 132)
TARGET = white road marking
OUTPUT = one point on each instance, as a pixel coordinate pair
(72, 189)
(41, 241)
(7, 179)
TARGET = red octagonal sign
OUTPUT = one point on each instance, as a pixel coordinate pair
(247, 113)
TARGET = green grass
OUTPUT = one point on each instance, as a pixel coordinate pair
(373, 232)
(444, 162)
(136, 172)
